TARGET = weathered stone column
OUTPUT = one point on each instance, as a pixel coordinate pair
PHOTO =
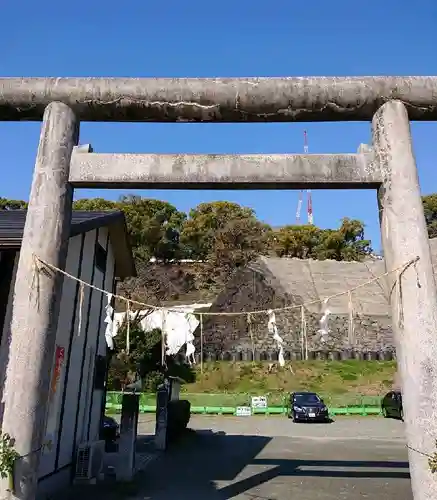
(414, 307)
(130, 409)
(37, 296)
(161, 427)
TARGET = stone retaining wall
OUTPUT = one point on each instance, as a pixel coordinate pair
(324, 355)
(262, 287)
(370, 334)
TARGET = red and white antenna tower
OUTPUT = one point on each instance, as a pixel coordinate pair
(299, 208)
(310, 208)
(300, 201)
(310, 199)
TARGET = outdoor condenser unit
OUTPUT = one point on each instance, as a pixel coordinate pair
(89, 460)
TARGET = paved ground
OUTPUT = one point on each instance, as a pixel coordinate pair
(272, 458)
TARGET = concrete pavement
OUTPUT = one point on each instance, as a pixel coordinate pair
(272, 458)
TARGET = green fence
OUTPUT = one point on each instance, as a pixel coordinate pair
(226, 404)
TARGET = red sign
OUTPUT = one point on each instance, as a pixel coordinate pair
(59, 361)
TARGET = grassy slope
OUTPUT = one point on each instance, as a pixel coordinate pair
(339, 382)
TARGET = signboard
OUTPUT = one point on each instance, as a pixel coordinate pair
(59, 361)
(243, 411)
(259, 402)
(54, 400)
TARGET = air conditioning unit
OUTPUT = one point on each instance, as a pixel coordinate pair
(89, 460)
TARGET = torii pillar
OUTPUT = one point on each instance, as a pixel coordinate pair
(414, 303)
(37, 297)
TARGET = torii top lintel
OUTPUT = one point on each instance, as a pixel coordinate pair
(294, 99)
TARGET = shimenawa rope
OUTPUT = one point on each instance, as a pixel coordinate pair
(400, 270)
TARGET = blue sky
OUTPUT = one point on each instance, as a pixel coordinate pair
(226, 38)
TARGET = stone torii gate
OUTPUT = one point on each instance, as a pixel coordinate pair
(388, 167)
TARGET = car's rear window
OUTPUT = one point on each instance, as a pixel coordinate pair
(306, 398)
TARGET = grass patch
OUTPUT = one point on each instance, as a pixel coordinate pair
(340, 383)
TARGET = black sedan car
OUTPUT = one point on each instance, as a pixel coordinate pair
(307, 407)
(391, 405)
(109, 430)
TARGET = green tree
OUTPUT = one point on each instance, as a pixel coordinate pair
(224, 234)
(227, 235)
(430, 209)
(154, 226)
(98, 204)
(296, 241)
(144, 359)
(345, 243)
(6, 204)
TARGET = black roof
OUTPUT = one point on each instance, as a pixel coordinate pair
(12, 224)
(12, 227)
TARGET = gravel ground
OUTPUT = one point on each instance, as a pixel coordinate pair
(272, 458)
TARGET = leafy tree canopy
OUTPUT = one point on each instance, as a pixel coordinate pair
(227, 235)
(6, 204)
(153, 225)
(345, 243)
(430, 208)
(224, 233)
(144, 360)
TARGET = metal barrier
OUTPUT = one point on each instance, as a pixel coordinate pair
(356, 406)
(276, 399)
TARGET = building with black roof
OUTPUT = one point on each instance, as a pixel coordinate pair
(98, 253)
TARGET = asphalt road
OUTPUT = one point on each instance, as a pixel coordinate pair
(272, 458)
